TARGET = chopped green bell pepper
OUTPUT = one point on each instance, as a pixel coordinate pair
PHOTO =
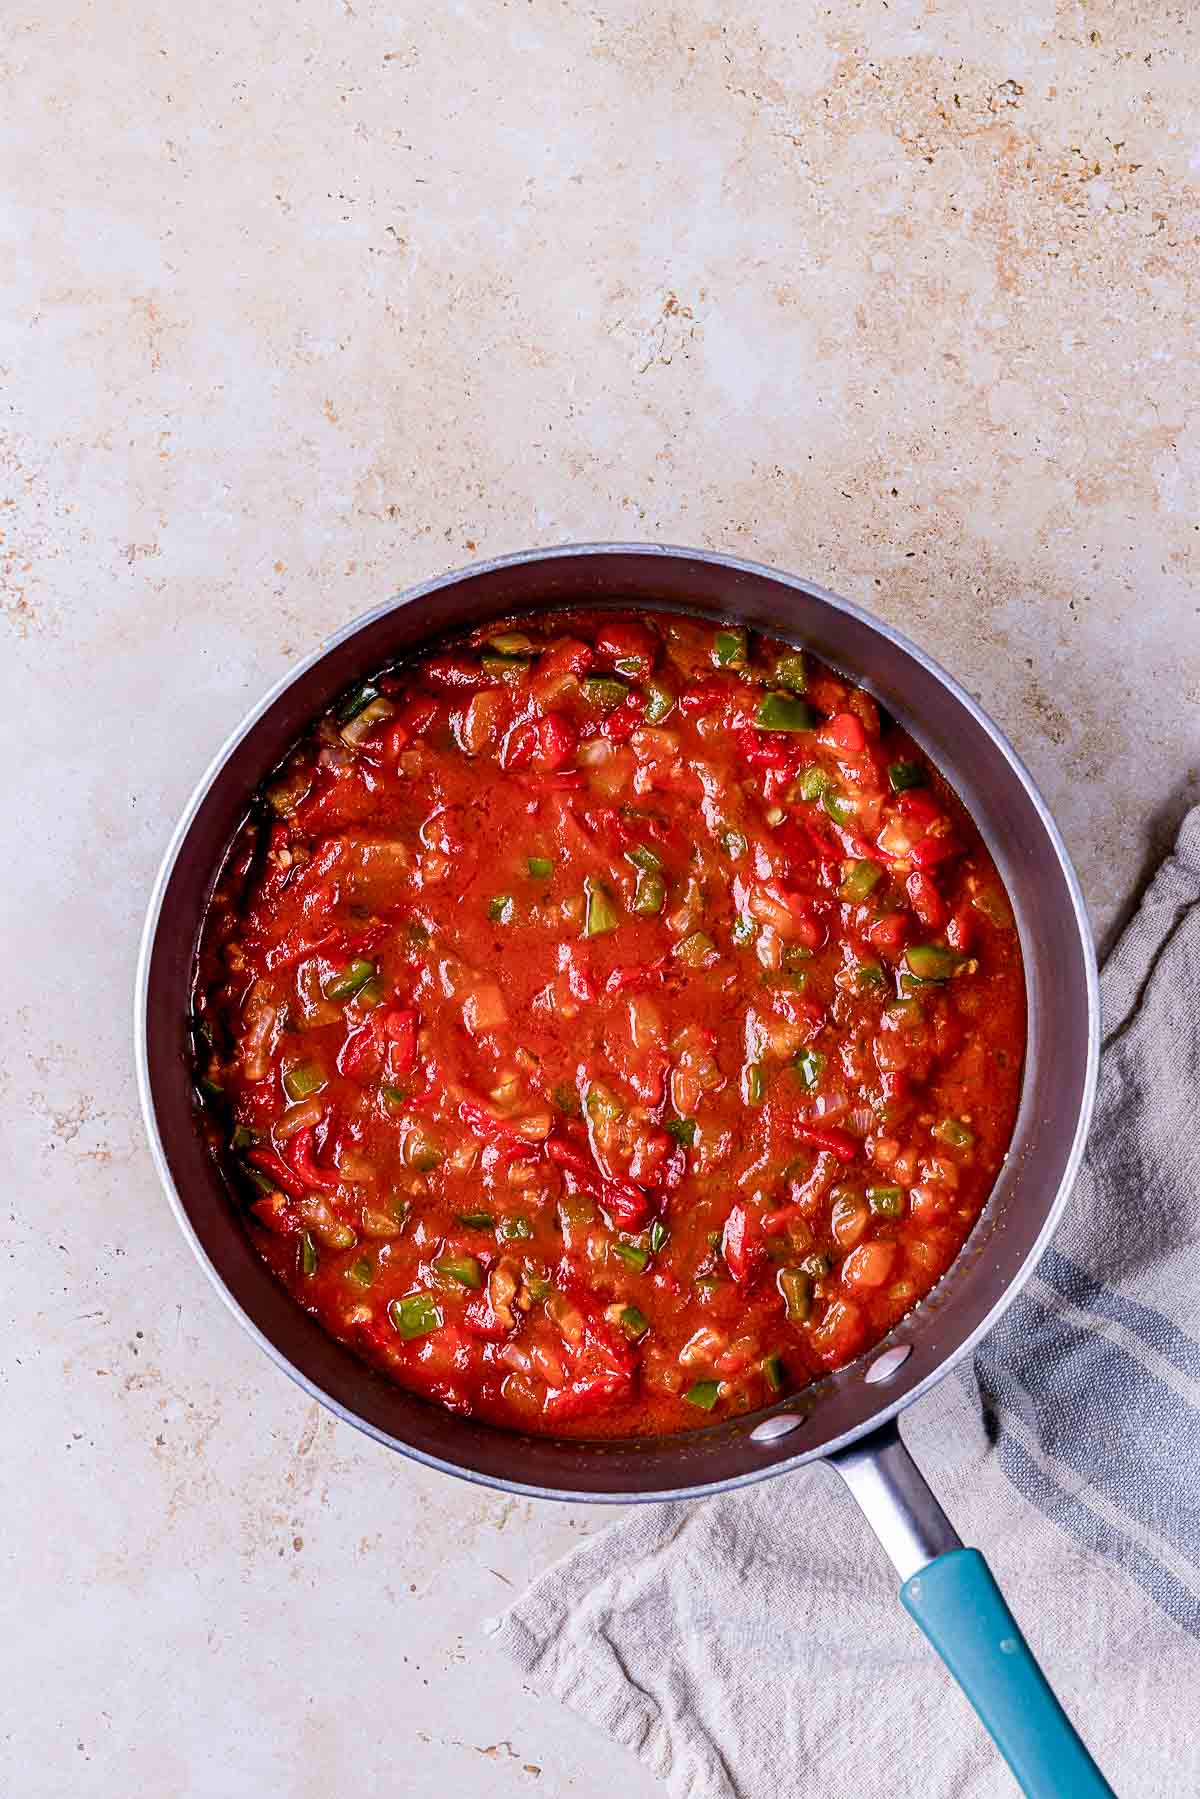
(814, 782)
(466, 1270)
(791, 672)
(796, 1287)
(931, 961)
(660, 702)
(904, 775)
(955, 1133)
(784, 712)
(604, 691)
(416, 1315)
(704, 1394)
(600, 912)
(355, 700)
(350, 980)
(730, 647)
(840, 807)
(886, 1202)
(305, 1078)
(859, 879)
(650, 895)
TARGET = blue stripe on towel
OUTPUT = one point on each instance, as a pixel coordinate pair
(1095, 1408)
(1096, 1534)
(1091, 1295)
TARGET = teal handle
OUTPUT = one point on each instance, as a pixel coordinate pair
(962, 1611)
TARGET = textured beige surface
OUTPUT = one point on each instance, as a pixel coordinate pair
(306, 301)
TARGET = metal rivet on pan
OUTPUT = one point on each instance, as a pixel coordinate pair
(770, 1428)
(885, 1365)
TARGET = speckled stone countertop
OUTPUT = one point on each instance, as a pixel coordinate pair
(308, 301)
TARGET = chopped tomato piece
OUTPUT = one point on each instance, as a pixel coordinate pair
(585, 1398)
(277, 1169)
(556, 741)
(927, 902)
(932, 850)
(636, 980)
(781, 1220)
(337, 798)
(481, 1321)
(569, 656)
(918, 807)
(400, 1027)
(483, 1123)
(418, 717)
(303, 1162)
(741, 1243)
(454, 673)
(889, 933)
(705, 697)
(868, 1266)
(960, 932)
(619, 726)
(764, 749)
(827, 1136)
(624, 640)
(844, 732)
(520, 745)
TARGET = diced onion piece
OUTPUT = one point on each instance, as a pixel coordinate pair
(868, 1266)
(702, 1347)
(482, 720)
(379, 1224)
(324, 1223)
(535, 1126)
(896, 839)
(483, 1008)
(849, 1218)
(596, 751)
(297, 1118)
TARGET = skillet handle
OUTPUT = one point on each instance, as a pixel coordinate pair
(950, 1593)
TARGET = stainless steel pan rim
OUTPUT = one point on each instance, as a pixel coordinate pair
(887, 1411)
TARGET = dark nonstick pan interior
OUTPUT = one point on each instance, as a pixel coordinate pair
(1060, 1063)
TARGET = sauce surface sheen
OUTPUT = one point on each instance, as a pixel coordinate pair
(613, 1022)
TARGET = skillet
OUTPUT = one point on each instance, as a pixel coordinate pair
(849, 1418)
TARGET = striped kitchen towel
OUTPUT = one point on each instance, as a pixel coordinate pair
(752, 1646)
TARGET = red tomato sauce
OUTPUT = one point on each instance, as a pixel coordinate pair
(611, 1023)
